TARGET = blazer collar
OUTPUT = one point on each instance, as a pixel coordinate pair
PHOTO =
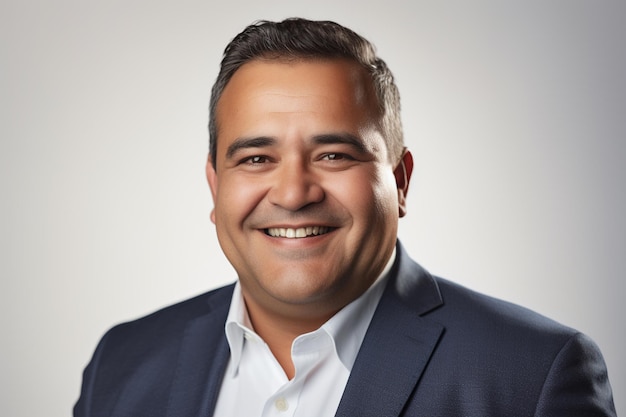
(397, 345)
(202, 360)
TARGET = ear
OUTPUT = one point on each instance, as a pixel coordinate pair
(402, 173)
(211, 177)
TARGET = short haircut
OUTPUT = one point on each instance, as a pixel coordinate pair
(297, 38)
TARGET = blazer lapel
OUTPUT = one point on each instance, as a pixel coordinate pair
(202, 360)
(397, 345)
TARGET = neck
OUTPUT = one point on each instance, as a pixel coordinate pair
(279, 331)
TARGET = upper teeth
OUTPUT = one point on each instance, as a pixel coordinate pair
(297, 233)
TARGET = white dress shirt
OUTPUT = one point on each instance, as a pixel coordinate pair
(255, 384)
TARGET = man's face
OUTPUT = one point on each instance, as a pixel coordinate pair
(306, 201)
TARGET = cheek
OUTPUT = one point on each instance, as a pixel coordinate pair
(386, 194)
(369, 195)
(236, 199)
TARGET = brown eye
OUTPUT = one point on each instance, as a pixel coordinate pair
(257, 159)
(333, 156)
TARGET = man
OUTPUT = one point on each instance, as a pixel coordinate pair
(329, 316)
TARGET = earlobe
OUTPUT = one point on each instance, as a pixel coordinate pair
(402, 173)
(211, 177)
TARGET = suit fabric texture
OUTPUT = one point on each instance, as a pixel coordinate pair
(433, 349)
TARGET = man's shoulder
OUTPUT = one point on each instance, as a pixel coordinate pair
(136, 362)
(173, 318)
(504, 354)
(465, 310)
(470, 312)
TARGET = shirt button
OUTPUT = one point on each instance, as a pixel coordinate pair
(281, 404)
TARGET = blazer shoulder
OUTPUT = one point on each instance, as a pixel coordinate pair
(479, 311)
(137, 363)
(516, 358)
(457, 307)
(172, 319)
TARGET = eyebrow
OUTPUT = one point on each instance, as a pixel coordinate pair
(243, 143)
(341, 138)
(324, 139)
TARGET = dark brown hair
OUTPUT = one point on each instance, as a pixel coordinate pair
(297, 38)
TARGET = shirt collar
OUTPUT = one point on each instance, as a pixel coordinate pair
(238, 326)
(346, 328)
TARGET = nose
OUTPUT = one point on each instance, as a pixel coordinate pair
(295, 186)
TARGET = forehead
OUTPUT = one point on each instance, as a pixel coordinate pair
(332, 91)
(340, 76)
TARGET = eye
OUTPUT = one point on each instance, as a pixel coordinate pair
(255, 160)
(334, 157)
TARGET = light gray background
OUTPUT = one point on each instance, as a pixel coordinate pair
(515, 112)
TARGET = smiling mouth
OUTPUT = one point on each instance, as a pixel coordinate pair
(298, 233)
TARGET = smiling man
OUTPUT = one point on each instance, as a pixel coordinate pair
(306, 201)
(329, 316)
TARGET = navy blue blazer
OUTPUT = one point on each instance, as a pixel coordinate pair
(433, 349)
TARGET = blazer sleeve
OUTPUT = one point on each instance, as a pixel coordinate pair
(577, 383)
